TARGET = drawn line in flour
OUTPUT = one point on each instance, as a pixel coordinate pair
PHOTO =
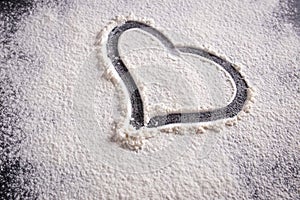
(137, 112)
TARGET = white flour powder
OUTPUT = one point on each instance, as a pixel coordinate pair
(74, 108)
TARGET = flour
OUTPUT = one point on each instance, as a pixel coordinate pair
(169, 82)
(79, 120)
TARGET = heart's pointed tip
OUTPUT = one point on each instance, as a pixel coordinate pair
(130, 137)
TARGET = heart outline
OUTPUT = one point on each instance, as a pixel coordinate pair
(137, 111)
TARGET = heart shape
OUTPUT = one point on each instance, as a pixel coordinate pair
(137, 111)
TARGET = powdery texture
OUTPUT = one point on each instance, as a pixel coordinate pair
(167, 83)
(258, 158)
